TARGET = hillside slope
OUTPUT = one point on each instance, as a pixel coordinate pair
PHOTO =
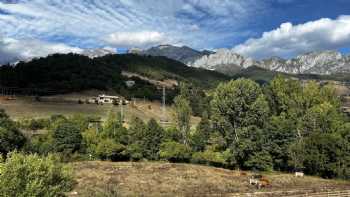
(168, 179)
(65, 73)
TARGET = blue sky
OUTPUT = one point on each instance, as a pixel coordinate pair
(255, 28)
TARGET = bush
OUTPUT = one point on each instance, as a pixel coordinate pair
(110, 150)
(261, 161)
(134, 152)
(152, 139)
(209, 157)
(10, 137)
(175, 152)
(67, 137)
(41, 144)
(33, 175)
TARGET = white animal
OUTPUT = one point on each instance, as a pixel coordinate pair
(299, 174)
(253, 181)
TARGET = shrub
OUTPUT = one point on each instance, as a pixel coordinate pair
(175, 152)
(152, 139)
(10, 137)
(260, 161)
(32, 175)
(67, 137)
(209, 157)
(134, 151)
(110, 150)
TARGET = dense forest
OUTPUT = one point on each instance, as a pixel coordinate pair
(65, 73)
(282, 126)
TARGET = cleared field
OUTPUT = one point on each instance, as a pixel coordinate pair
(27, 107)
(168, 179)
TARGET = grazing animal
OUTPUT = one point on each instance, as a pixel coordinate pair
(243, 174)
(259, 181)
(263, 182)
(299, 174)
(253, 181)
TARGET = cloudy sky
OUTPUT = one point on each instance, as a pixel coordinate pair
(254, 28)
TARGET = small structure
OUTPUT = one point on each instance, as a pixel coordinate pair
(130, 83)
(107, 99)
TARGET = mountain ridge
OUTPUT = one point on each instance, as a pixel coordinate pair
(322, 63)
(182, 54)
(229, 62)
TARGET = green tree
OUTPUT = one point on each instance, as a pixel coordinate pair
(322, 118)
(153, 138)
(113, 128)
(137, 130)
(201, 136)
(90, 140)
(296, 153)
(110, 150)
(239, 104)
(284, 94)
(198, 100)
(240, 111)
(183, 116)
(31, 175)
(261, 161)
(67, 137)
(137, 133)
(10, 137)
(280, 134)
(175, 152)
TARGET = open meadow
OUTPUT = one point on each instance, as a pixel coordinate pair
(68, 105)
(171, 179)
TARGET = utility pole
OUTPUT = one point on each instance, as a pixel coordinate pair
(121, 112)
(163, 118)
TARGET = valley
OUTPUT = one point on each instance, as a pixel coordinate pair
(183, 98)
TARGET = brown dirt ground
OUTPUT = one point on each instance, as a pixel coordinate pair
(168, 179)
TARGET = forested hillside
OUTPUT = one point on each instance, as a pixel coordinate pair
(62, 73)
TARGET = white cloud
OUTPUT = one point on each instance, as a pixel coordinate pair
(12, 50)
(135, 39)
(86, 23)
(194, 27)
(289, 40)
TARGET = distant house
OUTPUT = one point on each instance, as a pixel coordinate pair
(130, 83)
(107, 99)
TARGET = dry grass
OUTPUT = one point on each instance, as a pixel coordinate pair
(167, 179)
(27, 107)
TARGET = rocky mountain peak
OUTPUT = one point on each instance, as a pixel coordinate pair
(93, 53)
(324, 62)
(183, 54)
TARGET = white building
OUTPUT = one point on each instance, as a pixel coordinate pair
(130, 83)
(107, 99)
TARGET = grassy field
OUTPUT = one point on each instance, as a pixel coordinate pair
(27, 107)
(168, 179)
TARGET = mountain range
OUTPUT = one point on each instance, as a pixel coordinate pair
(183, 54)
(229, 62)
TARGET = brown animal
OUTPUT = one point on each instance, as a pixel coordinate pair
(243, 174)
(259, 181)
(263, 182)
